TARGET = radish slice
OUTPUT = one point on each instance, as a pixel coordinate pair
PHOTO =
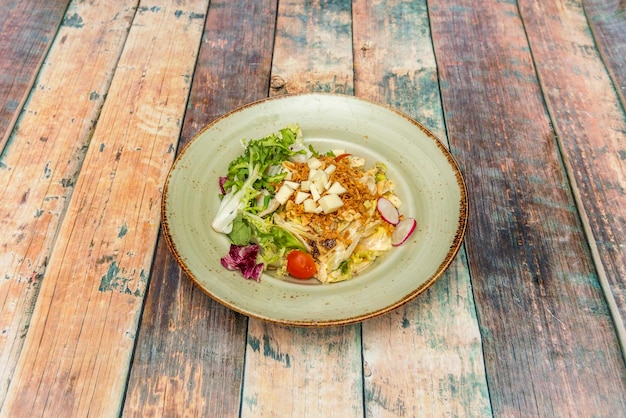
(388, 211)
(403, 231)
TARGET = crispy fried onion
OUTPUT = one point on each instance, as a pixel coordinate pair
(359, 204)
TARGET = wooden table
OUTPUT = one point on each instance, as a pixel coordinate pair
(96, 98)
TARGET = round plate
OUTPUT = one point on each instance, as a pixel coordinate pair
(426, 178)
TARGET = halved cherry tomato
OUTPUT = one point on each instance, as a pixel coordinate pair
(301, 265)
(341, 156)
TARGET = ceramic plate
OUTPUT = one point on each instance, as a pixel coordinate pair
(426, 178)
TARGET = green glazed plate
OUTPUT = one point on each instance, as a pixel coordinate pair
(426, 178)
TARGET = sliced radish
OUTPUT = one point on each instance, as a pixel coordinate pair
(388, 211)
(403, 231)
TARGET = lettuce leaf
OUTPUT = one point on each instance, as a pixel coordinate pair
(244, 258)
(250, 173)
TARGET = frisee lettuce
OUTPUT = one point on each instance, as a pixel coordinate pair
(258, 168)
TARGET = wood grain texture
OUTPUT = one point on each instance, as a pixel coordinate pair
(320, 26)
(313, 52)
(607, 21)
(26, 32)
(78, 347)
(41, 163)
(443, 372)
(189, 355)
(527, 253)
(591, 127)
(424, 358)
(286, 364)
(190, 352)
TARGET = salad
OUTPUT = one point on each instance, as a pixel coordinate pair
(288, 208)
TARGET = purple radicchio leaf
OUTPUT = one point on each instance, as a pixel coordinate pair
(243, 257)
(222, 181)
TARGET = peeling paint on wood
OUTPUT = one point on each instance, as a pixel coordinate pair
(307, 57)
(590, 124)
(321, 361)
(523, 252)
(179, 319)
(27, 25)
(77, 286)
(321, 25)
(52, 165)
(443, 374)
(607, 21)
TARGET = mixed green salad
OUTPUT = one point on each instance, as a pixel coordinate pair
(287, 208)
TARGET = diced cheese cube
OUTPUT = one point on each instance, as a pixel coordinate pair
(305, 186)
(293, 184)
(288, 176)
(320, 180)
(357, 162)
(310, 206)
(283, 194)
(337, 188)
(301, 197)
(316, 175)
(330, 169)
(330, 203)
(315, 194)
(320, 185)
(314, 163)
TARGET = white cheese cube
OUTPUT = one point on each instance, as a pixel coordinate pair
(283, 194)
(320, 185)
(320, 180)
(337, 189)
(330, 203)
(317, 175)
(330, 169)
(301, 197)
(315, 194)
(357, 162)
(314, 163)
(305, 186)
(310, 206)
(293, 184)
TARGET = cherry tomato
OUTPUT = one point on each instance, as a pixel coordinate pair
(301, 265)
(341, 156)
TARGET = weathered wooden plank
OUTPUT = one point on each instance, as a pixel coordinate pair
(78, 347)
(591, 127)
(313, 52)
(190, 351)
(316, 25)
(286, 364)
(548, 338)
(424, 358)
(26, 32)
(607, 21)
(442, 374)
(40, 164)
